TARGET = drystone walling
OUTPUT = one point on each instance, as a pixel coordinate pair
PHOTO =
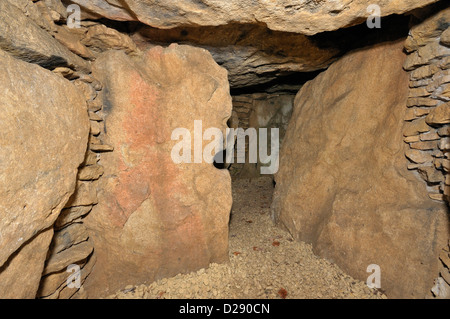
(91, 200)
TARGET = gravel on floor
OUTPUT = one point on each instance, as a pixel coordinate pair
(265, 262)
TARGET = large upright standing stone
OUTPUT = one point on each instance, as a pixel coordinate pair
(343, 183)
(44, 128)
(156, 218)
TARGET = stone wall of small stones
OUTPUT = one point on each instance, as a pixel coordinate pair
(258, 110)
(242, 108)
(428, 108)
(71, 244)
(427, 131)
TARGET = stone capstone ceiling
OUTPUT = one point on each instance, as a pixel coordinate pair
(256, 41)
(306, 17)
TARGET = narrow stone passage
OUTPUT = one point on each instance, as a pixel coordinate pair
(265, 262)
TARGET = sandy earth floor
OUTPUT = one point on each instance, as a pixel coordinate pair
(265, 263)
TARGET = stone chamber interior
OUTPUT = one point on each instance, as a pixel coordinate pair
(101, 206)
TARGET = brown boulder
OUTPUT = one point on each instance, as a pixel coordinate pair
(156, 218)
(424, 33)
(43, 136)
(343, 183)
(101, 38)
(26, 40)
(445, 37)
(439, 115)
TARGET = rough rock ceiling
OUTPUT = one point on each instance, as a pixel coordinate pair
(252, 54)
(258, 42)
(256, 56)
(307, 17)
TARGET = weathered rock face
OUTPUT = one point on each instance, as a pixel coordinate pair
(343, 184)
(255, 54)
(306, 17)
(156, 218)
(71, 244)
(429, 112)
(100, 38)
(44, 135)
(26, 40)
(252, 54)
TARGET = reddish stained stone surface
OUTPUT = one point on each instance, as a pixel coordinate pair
(156, 218)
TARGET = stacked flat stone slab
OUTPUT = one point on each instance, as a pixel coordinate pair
(428, 106)
(441, 288)
(428, 117)
(71, 244)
